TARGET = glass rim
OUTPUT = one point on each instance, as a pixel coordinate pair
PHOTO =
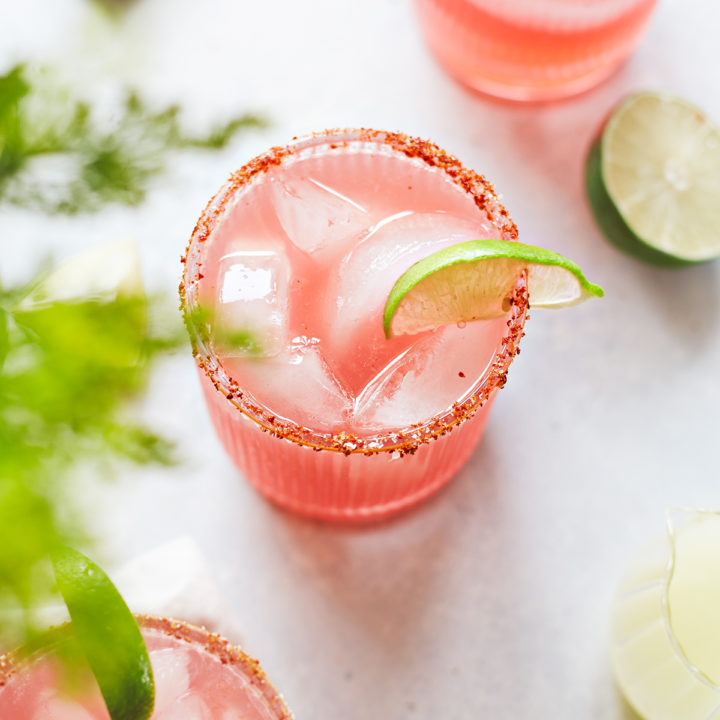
(216, 645)
(405, 440)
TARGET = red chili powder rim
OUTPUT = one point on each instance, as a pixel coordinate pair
(406, 440)
(212, 643)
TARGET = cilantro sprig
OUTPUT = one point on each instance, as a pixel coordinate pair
(56, 156)
(68, 370)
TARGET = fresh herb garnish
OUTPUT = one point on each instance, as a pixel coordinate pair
(114, 8)
(68, 370)
(56, 156)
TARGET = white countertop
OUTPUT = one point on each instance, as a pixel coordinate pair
(490, 600)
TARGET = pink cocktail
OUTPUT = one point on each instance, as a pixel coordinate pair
(532, 49)
(297, 254)
(198, 676)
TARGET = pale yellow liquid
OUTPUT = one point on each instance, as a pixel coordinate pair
(694, 595)
(666, 625)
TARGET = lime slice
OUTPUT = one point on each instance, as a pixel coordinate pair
(473, 281)
(96, 296)
(103, 273)
(108, 635)
(653, 180)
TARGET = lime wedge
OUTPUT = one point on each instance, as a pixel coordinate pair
(98, 288)
(653, 180)
(102, 273)
(473, 281)
(108, 635)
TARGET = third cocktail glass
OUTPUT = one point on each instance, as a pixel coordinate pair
(198, 676)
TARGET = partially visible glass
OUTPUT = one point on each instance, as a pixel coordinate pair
(198, 676)
(301, 247)
(665, 630)
(532, 50)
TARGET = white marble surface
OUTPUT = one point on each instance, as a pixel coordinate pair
(490, 600)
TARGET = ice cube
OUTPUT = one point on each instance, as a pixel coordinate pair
(387, 383)
(436, 371)
(229, 714)
(315, 216)
(242, 704)
(365, 277)
(252, 302)
(172, 676)
(59, 708)
(368, 272)
(188, 707)
(297, 385)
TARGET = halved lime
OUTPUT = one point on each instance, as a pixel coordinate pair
(653, 180)
(473, 281)
(109, 636)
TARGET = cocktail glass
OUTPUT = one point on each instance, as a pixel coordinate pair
(198, 676)
(532, 50)
(665, 637)
(298, 252)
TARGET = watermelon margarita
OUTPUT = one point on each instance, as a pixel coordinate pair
(198, 676)
(297, 254)
(532, 49)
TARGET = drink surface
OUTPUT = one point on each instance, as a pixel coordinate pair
(190, 684)
(530, 50)
(303, 262)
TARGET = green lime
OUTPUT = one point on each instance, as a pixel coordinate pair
(102, 273)
(109, 636)
(98, 296)
(473, 281)
(653, 180)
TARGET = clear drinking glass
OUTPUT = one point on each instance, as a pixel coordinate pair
(297, 253)
(197, 675)
(532, 49)
(665, 631)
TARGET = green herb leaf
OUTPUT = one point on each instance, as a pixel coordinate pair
(104, 163)
(13, 88)
(4, 340)
(69, 370)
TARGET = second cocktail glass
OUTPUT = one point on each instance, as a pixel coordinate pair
(295, 257)
(532, 50)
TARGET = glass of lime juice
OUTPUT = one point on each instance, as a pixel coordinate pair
(665, 629)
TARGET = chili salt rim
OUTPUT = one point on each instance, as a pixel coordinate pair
(403, 441)
(224, 651)
(214, 644)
